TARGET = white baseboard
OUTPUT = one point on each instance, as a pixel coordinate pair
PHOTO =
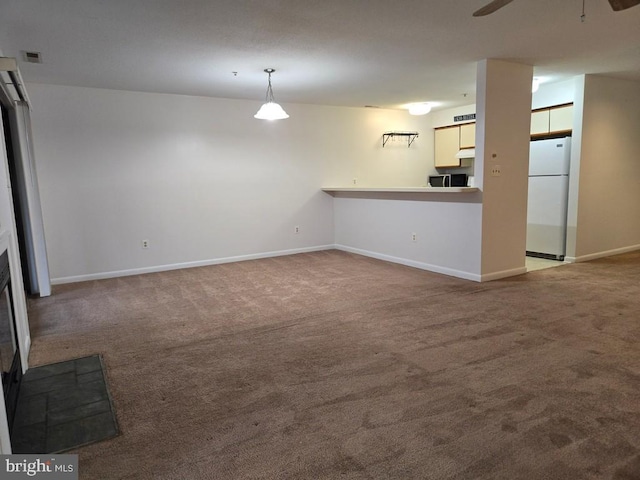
(606, 253)
(177, 266)
(388, 258)
(412, 263)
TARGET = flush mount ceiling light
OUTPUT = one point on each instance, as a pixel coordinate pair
(270, 110)
(419, 108)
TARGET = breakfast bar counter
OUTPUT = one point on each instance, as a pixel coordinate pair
(423, 194)
(425, 190)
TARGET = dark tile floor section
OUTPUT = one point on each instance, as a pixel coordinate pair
(63, 406)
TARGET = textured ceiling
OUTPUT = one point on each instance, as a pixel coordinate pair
(332, 52)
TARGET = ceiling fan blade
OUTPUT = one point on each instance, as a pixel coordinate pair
(618, 5)
(498, 4)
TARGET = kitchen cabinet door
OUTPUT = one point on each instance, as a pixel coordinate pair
(468, 135)
(540, 122)
(561, 119)
(447, 144)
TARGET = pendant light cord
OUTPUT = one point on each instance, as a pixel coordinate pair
(269, 95)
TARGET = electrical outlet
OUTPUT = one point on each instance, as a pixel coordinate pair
(296, 229)
(355, 181)
(145, 243)
(414, 237)
(496, 170)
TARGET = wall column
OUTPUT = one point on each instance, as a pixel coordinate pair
(503, 118)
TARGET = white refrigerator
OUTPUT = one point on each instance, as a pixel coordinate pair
(548, 196)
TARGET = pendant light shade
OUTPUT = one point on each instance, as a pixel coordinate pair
(270, 110)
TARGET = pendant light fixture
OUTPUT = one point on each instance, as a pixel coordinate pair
(270, 110)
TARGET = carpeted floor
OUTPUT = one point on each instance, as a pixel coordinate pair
(329, 365)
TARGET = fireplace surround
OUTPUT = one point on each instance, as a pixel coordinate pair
(10, 364)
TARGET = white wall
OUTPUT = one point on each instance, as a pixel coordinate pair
(443, 118)
(200, 178)
(368, 162)
(608, 209)
(447, 228)
(551, 94)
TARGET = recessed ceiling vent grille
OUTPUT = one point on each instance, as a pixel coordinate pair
(32, 57)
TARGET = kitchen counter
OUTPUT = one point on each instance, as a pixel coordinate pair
(421, 194)
(425, 190)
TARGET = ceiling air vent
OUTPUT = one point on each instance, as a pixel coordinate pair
(32, 57)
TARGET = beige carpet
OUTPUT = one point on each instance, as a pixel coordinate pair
(330, 365)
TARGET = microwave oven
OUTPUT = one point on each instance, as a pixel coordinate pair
(448, 180)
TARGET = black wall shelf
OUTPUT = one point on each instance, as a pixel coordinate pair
(410, 136)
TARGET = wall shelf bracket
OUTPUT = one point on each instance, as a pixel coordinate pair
(410, 136)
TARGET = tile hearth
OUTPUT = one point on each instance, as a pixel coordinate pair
(63, 406)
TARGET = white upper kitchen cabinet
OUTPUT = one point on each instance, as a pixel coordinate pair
(468, 135)
(561, 119)
(540, 122)
(447, 144)
(552, 120)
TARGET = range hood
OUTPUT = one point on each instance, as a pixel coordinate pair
(466, 153)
